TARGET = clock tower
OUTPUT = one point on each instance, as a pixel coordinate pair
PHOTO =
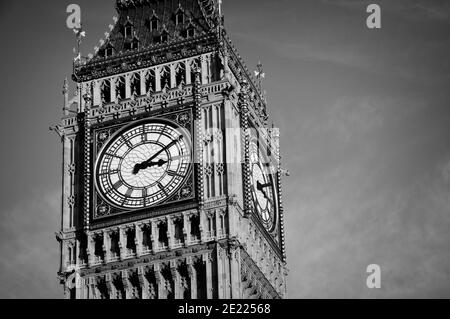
(171, 180)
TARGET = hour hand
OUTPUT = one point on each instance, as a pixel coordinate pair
(260, 187)
(137, 168)
(147, 164)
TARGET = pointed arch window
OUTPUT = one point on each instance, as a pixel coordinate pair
(165, 77)
(128, 28)
(135, 84)
(179, 17)
(190, 32)
(153, 22)
(132, 45)
(105, 90)
(128, 31)
(120, 88)
(108, 51)
(164, 37)
(180, 74)
(196, 63)
(150, 81)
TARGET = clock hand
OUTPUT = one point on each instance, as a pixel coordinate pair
(261, 187)
(148, 163)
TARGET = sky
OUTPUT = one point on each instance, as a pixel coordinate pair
(365, 133)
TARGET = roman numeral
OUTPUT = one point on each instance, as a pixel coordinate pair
(110, 172)
(118, 184)
(114, 155)
(175, 158)
(129, 192)
(174, 174)
(127, 142)
(161, 187)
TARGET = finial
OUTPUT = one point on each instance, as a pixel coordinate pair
(220, 7)
(80, 34)
(66, 86)
(260, 75)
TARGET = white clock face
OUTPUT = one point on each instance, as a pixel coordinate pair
(143, 165)
(263, 191)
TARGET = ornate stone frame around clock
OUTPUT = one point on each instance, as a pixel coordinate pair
(109, 212)
(274, 237)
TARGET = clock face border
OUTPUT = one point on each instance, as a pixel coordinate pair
(103, 136)
(270, 179)
(274, 234)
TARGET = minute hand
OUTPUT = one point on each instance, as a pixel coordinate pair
(148, 162)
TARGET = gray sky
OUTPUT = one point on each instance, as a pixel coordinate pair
(365, 125)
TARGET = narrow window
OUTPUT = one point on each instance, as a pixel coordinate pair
(128, 31)
(164, 37)
(180, 74)
(163, 239)
(106, 91)
(179, 18)
(135, 84)
(190, 32)
(108, 52)
(195, 227)
(120, 88)
(154, 24)
(195, 64)
(150, 81)
(134, 45)
(165, 77)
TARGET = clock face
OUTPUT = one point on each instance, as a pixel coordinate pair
(143, 165)
(263, 189)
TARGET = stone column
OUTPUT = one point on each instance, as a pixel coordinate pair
(143, 88)
(158, 79)
(126, 284)
(127, 86)
(143, 283)
(235, 270)
(204, 67)
(218, 228)
(107, 245)
(90, 249)
(188, 72)
(93, 292)
(138, 239)
(207, 260)
(176, 279)
(173, 81)
(113, 89)
(154, 237)
(122, 242)
(97, 100)
(110, 286)
(187, 228)
(170, 232)
(192, 277)
(203, 225)
(161, 282)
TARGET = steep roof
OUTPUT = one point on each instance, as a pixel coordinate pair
(135, 32)
(138, 15)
